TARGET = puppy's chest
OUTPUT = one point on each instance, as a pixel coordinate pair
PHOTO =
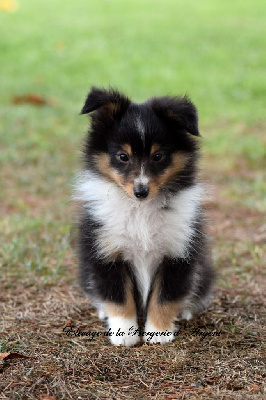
(136, 232)
(144, 232)
(138, 235)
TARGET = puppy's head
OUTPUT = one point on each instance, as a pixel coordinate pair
(144, 148)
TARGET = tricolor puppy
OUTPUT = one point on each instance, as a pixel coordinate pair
(142, 247)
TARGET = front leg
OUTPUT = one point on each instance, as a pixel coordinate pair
(111, 288)
(170, 287)
(159, 327)
(121, 317)
(108, 285)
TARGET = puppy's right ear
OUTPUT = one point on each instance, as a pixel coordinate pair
(178, 110)
(110, 101)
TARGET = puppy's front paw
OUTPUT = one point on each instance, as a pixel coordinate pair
(121, 329)
(126, 340)
(154, 335)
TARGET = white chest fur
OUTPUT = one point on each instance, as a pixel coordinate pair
(142, 231)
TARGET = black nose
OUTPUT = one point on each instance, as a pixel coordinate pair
(141, 193)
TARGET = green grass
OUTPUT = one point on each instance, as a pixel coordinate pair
(212, 50)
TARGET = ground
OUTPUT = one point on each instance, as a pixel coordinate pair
(229, 365)
(217, 55)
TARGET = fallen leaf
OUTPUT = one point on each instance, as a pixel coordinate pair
(254, 387)
(31, 98)
(10, 356)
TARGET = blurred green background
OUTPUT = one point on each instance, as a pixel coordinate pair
(212, 50)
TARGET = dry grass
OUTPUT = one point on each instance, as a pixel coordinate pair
(229, 366)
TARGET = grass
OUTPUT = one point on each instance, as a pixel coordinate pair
(214, 51)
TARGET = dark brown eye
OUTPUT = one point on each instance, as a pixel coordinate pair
(157, 157)
(124, 157)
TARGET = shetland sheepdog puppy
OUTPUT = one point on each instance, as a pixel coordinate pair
(143, 253)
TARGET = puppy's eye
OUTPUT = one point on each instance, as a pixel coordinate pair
(157, 157)
(124, 157)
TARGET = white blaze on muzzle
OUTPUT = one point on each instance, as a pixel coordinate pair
(141, 184)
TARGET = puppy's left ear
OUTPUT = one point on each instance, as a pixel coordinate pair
(178, 110)
(114, 102)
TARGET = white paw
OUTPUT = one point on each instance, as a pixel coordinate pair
(122, 330)
(154, 335)
(125, 340)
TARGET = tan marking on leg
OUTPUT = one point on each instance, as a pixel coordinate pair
(126, 310)
(161, 314)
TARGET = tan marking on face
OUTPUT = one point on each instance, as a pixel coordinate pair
(162, 314)
(179, 161)
(129, 188)
(155, 147)
(127, 148)
(153, 188)
(102, 161)
(126, 310)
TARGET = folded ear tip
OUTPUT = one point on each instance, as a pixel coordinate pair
(83, 111)
(98, 97)
(196, 132)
